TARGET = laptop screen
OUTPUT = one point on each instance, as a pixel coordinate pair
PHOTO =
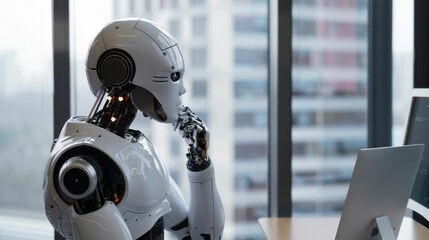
(417, 131)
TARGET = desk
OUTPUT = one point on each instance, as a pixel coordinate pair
(326, 228)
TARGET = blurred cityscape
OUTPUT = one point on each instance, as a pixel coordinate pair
(329, 100)
(225, 46)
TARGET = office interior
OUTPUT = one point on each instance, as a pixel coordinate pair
(290, 90)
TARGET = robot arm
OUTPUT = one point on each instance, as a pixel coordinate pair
(206, 214)
(104, 223)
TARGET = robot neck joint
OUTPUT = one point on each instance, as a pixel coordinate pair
(117, 113)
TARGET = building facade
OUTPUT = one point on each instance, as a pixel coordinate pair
(225, 46)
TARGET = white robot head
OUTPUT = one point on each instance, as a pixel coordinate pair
(139, 57)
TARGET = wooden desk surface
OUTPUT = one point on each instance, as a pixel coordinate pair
(326, 228)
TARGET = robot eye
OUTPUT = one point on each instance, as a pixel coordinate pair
(175, 76)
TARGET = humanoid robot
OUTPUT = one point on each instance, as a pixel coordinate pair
(104, 180)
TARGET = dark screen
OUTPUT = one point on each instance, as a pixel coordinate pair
(418, 132)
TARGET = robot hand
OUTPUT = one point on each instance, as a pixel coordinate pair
(193, 130)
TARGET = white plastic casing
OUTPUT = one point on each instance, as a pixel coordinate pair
(92, 226)
(206, 214)
(142, 204)
(156, 55)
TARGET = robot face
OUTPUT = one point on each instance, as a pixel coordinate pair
(163, 103)
(140, 54)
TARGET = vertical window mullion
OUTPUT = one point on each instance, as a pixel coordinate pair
(421, 44)
(380, 73)
(61, 67)
(61, 63)
(280, 108)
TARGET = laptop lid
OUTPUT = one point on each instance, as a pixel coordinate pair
(380, 186)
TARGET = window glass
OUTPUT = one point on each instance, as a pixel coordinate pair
(250, 57)
(250, 89)
(147, 4)
(403, 51)
(304, 27)
(250, 119)
(226, 83)
(198, 2)
(199, 88)
(162, 4)
(174, 26)
(199, 26)
(249, 151)
(329, 54)
(199, 57)
(26, 123)
(250, 24)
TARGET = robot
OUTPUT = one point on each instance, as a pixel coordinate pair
(105, 180)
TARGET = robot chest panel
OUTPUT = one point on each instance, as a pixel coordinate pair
(145, 175)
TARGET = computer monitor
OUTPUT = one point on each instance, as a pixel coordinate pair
(378, 193)
(417, 131)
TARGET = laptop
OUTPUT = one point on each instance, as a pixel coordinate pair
(380, 187)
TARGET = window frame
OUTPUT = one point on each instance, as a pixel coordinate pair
(61, 63)
(280, 94)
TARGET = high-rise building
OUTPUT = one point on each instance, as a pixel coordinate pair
(225, 46)
(329, 100)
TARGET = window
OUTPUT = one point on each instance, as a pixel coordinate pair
(403, 60)
(304, 28)
(250, 151)
(305, 2)
(174, 3)
(340, 4)
(251, 119)
(252, 182)
(328, 101)
(147, 5)
(302, 58)
(251, 2)
(16, 81)
(344, 118)
(199, 89)
(304, 118)
(199, 25)
(26, 123)
(198, 2)
(162, 4)
(175, 29)
(300, 148)
(251, 57)
(250, 89)
(199, 58)
(244, 214)
(342, 146)
(306, 88)
(329, 29)
(345, 59)
(250, 24)
(361, 30)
